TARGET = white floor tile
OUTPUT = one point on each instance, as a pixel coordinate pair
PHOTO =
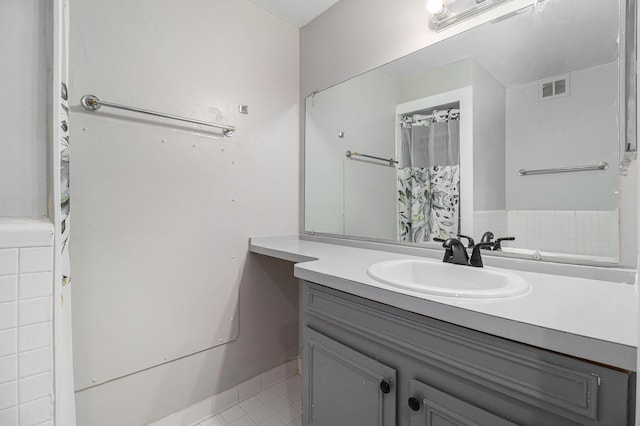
(296, 422)
(243, 421)
(280, 387)
(277, 404)
(262, 414)
(273, 421)
(268, 394)
(288, 414)
(233, 413)
(293, 383)
(214, 421)
(251, 404)
(294, 395)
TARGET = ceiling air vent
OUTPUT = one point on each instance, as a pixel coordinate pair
(553, 88)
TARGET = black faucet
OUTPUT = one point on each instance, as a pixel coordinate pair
(455, 252)
(471, 242)
(497, 245)
(486, 238)
(476, 258)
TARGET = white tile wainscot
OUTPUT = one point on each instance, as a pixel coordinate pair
(588, 233)
(26, 349)
(272, 398)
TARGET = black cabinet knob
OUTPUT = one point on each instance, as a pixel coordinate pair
(414, 403)
(385, 387)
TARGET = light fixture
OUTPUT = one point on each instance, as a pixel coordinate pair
(446, 13)
(436, 7)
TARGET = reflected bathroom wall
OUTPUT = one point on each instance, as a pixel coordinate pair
(507, 64)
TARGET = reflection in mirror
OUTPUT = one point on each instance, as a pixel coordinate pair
(430, 165)
(540, 91)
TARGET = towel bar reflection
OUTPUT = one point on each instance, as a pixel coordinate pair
(350, 154)
(92, 103)
(600, 166)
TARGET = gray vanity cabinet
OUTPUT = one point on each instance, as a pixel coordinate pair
(366, 363)
(349, 388)
(432, 407)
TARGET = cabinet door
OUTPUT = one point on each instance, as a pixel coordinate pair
(431, 407)
(343, 387)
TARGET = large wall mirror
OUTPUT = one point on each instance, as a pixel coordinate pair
(516, 127)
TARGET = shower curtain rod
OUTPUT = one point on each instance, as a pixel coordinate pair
(428, 116)
(92, 103)
(600, 166)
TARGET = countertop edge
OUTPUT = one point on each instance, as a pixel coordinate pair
(609, 353)
(279, 254)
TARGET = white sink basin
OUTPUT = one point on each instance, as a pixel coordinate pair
(445, 279)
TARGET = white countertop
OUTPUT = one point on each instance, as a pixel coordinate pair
(586, 318)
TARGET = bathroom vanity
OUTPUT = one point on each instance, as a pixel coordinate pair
(395, 367)
(560, 354)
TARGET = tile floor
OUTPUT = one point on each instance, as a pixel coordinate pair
(277, 405)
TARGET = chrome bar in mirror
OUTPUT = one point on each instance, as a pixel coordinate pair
(391, 161)
(600, 166)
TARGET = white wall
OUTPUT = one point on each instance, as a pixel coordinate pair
(163, 211)
(323, 186)
(489, 100)
(355, 36)
(352, 196)
(437, 80)
(559, 136)
(25, 47)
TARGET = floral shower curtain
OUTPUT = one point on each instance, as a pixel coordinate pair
(65, 199)
(429, 176)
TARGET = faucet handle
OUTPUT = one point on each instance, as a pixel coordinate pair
(448, 253)
(487, 237)
(497, 246)
(476, 257)
(471, 242)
